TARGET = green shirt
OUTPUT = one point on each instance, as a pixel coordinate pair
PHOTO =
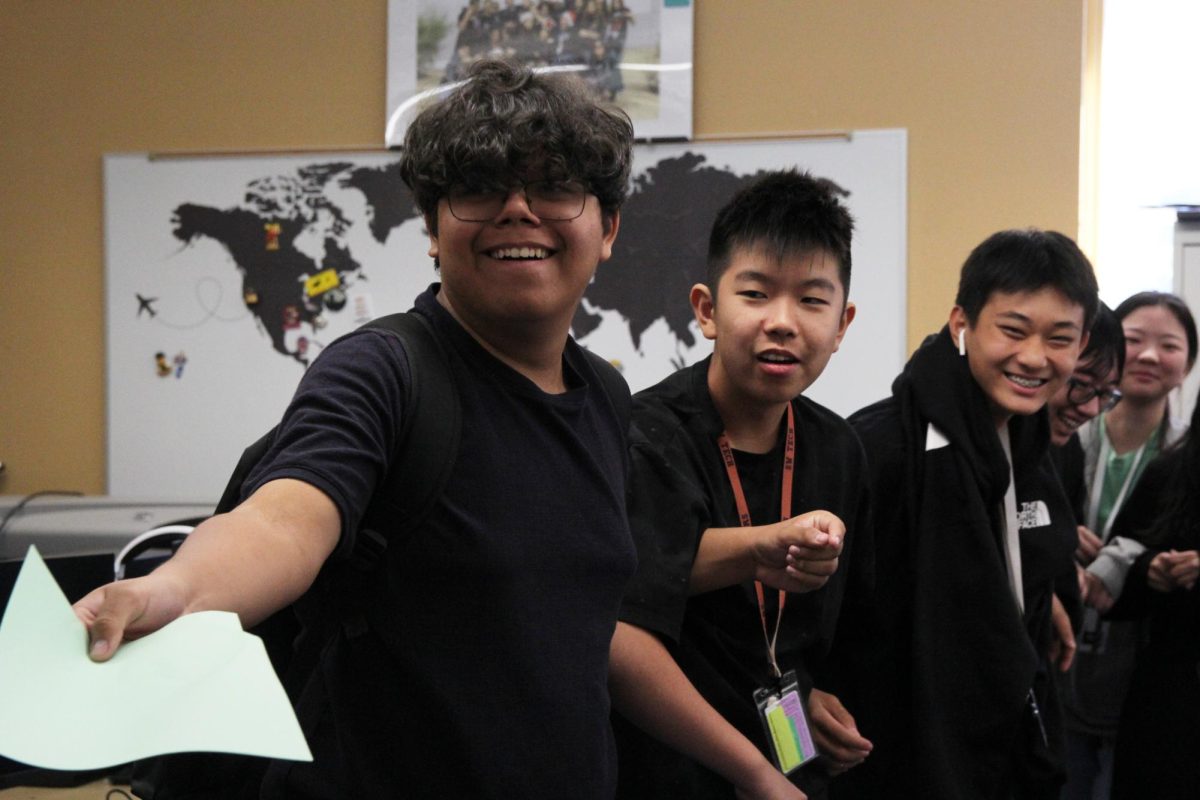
(1117, 473)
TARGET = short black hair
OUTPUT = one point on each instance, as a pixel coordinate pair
(505, 119)
(1105, 349)
(785, 212)
(1173, 303)
(1026, 260)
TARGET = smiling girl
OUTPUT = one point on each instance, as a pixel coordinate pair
(1160, 348)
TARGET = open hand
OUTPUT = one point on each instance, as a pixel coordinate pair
(836, 733)
(126, 610)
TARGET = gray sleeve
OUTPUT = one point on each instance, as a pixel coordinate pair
(1113, 562)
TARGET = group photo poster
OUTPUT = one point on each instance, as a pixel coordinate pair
(636, 54)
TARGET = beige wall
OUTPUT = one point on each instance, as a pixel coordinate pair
(989, 93)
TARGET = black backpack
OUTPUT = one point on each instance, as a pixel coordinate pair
(295, 636)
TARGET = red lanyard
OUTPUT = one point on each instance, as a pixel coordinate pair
(785, 512)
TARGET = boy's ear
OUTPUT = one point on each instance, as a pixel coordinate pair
(848, 314)
(958, 322)
(611, 224)
(431, 229)
(704, 309)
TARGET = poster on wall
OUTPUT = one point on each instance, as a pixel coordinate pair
(634, 53)
(227, 276)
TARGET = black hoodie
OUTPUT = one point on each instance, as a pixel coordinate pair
(938, 665)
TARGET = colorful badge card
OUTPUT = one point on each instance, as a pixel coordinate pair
(786, 725)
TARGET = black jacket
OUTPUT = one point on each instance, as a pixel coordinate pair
(937, 668)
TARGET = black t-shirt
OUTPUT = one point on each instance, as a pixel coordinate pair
(488, 676)
(678, 489)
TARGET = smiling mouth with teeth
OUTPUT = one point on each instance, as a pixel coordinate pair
(1028, 383)
(520, 253)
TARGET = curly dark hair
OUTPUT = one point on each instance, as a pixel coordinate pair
(507, 119)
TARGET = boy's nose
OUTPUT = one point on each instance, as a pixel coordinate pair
(516, 206)
(781, 319)
(1033, 352)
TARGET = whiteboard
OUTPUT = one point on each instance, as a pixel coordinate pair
(226, 275)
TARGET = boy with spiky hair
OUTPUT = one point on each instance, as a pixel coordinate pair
(739, 491)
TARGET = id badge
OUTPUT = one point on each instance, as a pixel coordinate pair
(781, 710)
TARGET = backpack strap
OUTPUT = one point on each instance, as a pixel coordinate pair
(429, 434)
(232, 495)
(429, 438)
(615, 387)
(430, 429)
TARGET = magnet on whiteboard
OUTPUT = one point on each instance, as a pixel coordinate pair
(272, 231)
(364, 310)
(334, 299)
(322, 282)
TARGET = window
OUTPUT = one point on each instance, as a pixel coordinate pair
(1140, 148)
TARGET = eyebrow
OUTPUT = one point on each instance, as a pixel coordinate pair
(1165, 335)
(762, 277)
(1017, 315)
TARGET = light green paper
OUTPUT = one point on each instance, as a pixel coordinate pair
(198, 684)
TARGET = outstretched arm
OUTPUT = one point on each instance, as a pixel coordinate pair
(650, 690)
(796, 555)
(253, 561)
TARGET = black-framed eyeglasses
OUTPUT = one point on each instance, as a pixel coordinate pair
(557, 201)
(1081, 392)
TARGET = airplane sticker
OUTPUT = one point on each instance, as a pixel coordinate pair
(144, 304)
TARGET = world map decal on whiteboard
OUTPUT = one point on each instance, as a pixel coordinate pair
(287, 240)
(226, 276)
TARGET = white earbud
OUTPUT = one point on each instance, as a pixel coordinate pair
(962, 341)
